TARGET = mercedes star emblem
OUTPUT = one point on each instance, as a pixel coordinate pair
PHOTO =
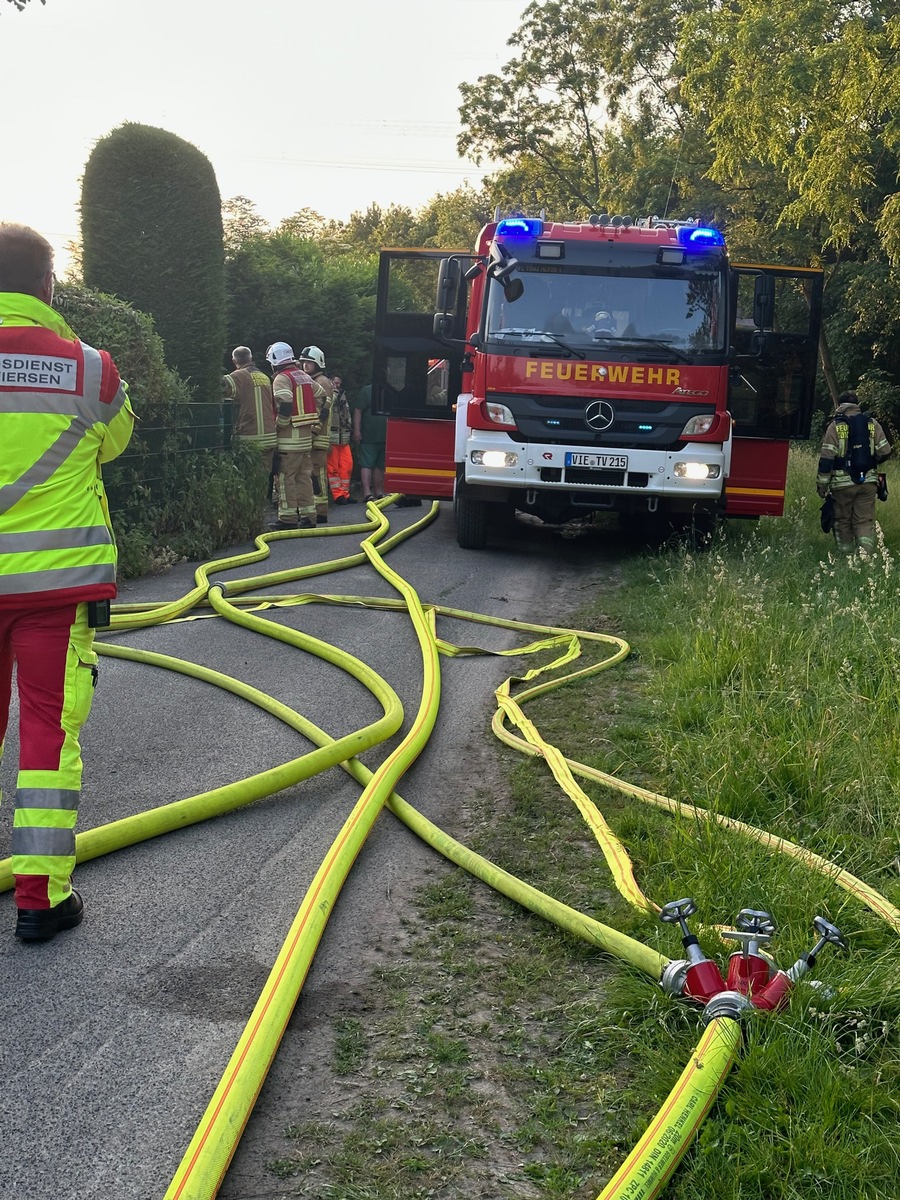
(599, 415)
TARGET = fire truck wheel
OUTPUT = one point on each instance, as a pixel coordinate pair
(471, 522)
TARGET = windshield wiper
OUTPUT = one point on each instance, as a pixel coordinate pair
(642, 341)
(537, 333)
(563, 345)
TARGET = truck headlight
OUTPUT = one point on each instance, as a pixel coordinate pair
(695, 470)
(499, 414)
(494, 458)
(699, 424)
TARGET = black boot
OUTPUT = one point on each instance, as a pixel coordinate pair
(41, 924)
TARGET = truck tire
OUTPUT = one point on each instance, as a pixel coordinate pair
(471, 522)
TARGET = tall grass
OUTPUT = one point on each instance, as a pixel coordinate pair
(503, 1058)
(765, 687)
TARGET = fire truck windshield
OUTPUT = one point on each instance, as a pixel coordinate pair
(641, 308)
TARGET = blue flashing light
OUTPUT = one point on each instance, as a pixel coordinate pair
(699, 237)
(524, 227)
(645, 428)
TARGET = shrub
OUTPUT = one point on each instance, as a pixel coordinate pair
(152, 234)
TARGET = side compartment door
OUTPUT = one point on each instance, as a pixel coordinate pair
(776, 316)
(417, 376)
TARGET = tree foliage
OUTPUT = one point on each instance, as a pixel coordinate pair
(304, 292)
(773, 119)
(151, 218)
(821, 113)
(240, 223)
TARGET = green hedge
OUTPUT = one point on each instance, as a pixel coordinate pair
(151, 219)
(169, 499)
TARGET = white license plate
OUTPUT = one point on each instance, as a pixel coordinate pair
(598, 462)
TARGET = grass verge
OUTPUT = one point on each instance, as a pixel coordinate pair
(502, 1058)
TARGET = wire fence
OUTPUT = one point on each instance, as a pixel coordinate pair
(143, 473)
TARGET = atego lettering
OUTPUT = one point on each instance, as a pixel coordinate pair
(34, 370)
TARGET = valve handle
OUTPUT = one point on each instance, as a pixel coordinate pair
(755, 920)
(747, 937)
(828, 934)
(677, 910)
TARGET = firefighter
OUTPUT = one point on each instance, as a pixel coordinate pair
(312, 360)
(852, 448)
(253, 421)
(297, 407)
(340, 456)
(63, 412)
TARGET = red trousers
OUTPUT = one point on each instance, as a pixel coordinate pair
(55, 674)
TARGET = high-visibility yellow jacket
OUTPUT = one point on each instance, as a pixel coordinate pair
(63, 412)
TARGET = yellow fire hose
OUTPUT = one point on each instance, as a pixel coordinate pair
(651, 1163)
(199, 1176)
(207, 1157)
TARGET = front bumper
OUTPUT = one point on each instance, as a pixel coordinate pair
(648, 473)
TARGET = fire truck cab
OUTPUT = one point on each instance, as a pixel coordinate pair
(607, 365)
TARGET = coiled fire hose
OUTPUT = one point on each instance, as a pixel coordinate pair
(205, 1162)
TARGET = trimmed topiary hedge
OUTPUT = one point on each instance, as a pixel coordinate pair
(151, 220)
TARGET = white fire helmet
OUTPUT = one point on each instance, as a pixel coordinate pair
(278, 353)
(313, 354)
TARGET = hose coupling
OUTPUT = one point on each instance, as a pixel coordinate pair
(223, 588)
(673, 977)
(726, 1004)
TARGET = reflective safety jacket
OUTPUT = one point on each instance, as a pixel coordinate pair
(341, 420)
(295, 429)
(834, 465)
(254, 407)
(63, 412)
(322, 439)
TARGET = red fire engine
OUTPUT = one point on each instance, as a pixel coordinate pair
(606, 365)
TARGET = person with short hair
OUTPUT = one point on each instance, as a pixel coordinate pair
(63, 413)
(253, 417)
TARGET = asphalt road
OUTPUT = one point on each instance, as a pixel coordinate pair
(115, 1035)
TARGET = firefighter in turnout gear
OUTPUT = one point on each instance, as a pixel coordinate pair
(296, 402)
(63, 412)
(853, 447)
(253, 420)
(312, 360)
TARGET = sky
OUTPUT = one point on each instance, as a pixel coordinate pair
(330, 106)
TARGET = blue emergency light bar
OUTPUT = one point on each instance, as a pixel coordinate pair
(524, 227)
(698, 237)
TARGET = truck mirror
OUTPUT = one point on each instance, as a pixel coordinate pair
(764, 302)
(443, 325)
(448, 285)
(513, 289)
